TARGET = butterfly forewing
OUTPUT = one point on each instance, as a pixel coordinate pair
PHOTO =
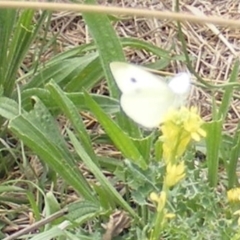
(129, 78)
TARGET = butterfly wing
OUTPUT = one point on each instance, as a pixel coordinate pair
(180, 84)
(130, 78)
(145, 97)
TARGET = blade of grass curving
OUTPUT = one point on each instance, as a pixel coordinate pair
(112, 193)
(108, 104)
(139, 44)
(90, 72)
(38, 130)
(122, 141)
(125, 42)
(228, 93)
(61, 72)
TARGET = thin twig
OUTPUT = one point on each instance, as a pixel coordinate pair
(183, 17)
(37, 224)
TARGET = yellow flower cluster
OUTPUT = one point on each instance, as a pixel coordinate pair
(178, 128)
(175, 173)
(233, 195)
(159, 199)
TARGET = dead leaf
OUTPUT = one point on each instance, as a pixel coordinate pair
(118, 221)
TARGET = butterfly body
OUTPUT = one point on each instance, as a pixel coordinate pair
(146, 98)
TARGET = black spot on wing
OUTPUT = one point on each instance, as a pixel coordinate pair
(133, 80)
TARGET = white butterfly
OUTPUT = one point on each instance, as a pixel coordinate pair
(146, 98)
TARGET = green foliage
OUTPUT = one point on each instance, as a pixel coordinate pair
(62, 85)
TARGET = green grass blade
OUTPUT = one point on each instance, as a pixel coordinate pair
(63, 72)
(109, 49)
(108, 104)
(24, 33)
(213, 146)
(83, 211)
(228, 93)
(112, 193)
(87, 78)
(144, 146)
(9, 109)
(122, 141)
(7, 20)
(107, 42)
(233, 160)
(73, 115)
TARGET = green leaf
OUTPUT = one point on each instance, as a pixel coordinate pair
(9, 109)
(108, 104)
(112, 192)
(20, 33)
(91, 74)
(213, 146)
(144, 146)
(228, 93)
(107, 42)
(7, 22)
(233, 160)
(9, 188)
(122, 141)
(63, 72)
(82, 211)
(158, 150)
(39, 131)
(109, 49)
(73, 115)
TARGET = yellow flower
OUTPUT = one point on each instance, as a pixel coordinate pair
(186, 119)
(193, 124)
(233, 195)
(159, 199)
(178, 128)
(174, 174)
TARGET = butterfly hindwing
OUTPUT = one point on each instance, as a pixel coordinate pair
(147, 108)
